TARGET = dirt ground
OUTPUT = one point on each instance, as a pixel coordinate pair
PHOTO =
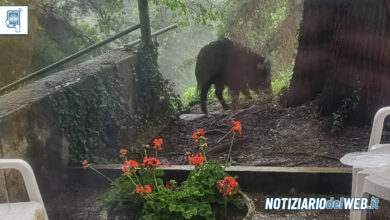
(271, 136)
(77, 204)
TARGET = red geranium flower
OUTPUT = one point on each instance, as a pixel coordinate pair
(201, 132)
(197, 134)
(231, 181)
(143, 190)
(237, 127)
(151, 162)
(148, 189)
(196, 160)
(123, 152)
(157, 143)
(85, 163)
(195, 137)
(132, 163)
(138, 190)
(227, 186)
(125, 169)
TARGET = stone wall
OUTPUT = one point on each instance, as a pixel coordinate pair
(29, 124)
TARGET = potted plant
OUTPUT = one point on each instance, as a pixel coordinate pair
(207, 192)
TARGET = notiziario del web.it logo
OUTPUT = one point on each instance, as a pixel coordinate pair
(13, 20)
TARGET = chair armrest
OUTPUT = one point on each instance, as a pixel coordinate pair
(377, 126)
(28, 177)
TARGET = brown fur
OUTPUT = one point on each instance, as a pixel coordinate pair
(223, 62)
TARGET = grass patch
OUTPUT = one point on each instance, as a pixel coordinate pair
(281, 80)
(191, 96)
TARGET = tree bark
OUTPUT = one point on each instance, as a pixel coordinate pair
(343, 54)
(312, 60)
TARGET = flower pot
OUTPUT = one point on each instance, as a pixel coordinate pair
(249, 204)
(109, 212)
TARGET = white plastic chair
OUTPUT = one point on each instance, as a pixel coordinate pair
(375, 182)
(363, 182)
(32, 210)
(377, 128)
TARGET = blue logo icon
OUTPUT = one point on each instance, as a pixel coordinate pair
(13, 19)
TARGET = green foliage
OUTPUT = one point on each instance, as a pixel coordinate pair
(122, 190)
(196, 199)
(58, 32)
(23, 52)
(90, 31)
(280, 81)
(147, 178)
(156, 101)
(104, 17)
(110, 14)
(90, 119)
(278, 16)
(187, 11)
(204, 179)
(269, 28)
(178, 50)
(191, 96)
(185, 203)
(121, 194)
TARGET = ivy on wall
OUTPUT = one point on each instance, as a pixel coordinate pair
(92, 118)
(94, 114)
(156, 101)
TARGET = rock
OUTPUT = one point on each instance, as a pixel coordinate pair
(216, 112)
(190, 117)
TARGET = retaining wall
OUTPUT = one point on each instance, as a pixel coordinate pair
(31, 129)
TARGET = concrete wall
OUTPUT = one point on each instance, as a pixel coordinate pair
(29, 128)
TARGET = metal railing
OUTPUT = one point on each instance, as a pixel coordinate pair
(154, 34)
(82, 52)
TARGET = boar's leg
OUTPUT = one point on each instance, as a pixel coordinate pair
(268, 90)
(218, 92)
(235, 95)
(247, 93)
(204, 89)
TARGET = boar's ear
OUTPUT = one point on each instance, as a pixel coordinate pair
(266, 61)
(267, 66)
(264, 66)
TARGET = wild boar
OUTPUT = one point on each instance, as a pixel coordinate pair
(223, 62)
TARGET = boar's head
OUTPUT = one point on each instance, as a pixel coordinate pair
(260, 79)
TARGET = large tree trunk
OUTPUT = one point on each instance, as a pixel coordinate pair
(350, 66)
(314, 52)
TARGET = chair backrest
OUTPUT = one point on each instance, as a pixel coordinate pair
(377, 126)
(28, 176)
